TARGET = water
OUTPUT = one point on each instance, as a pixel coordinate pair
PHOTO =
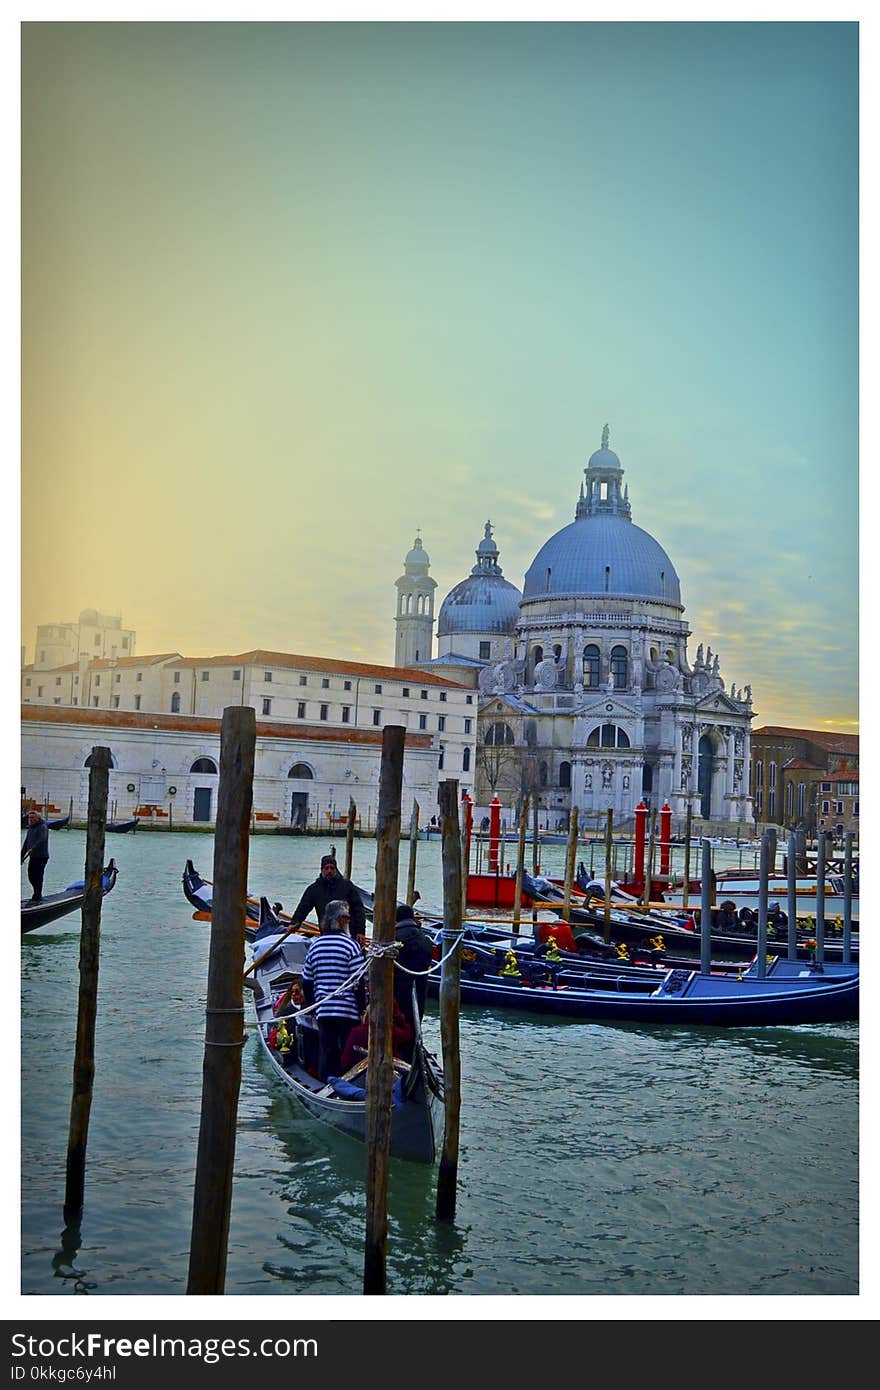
(594, 1159)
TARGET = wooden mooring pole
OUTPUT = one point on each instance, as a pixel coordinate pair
(413, 850)
(609, 838)
(688, 826)
(224, 1011)
(349, 837)
(520, 864)
(569, 863)
(450, 1001)
(380, 1069)
(87, 1009)
(791, 896)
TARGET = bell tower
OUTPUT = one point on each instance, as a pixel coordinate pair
(415, 608)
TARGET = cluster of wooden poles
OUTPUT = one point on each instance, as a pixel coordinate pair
(224, 1013)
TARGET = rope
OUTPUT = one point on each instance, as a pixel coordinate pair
(433, 968)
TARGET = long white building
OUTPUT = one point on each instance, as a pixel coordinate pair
(320, 723)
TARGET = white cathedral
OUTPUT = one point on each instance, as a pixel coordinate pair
(586, 695)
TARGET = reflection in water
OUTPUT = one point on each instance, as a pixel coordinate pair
(63, 1266)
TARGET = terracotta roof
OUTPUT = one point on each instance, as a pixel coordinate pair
(834, 743)
(800, 763)
(340, 665)
(199, 724)
(102, 663)
(49, 670)
(840, 777)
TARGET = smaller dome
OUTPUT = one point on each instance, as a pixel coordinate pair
(604, 458)
(418, 555)
(480, 603)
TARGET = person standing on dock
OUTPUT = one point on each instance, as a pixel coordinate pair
(330, 887)
(36, 850)
(331, 960)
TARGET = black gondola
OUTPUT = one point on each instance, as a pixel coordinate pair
(56, 905)
(122, 827)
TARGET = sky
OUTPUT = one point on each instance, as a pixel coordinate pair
(291, 292)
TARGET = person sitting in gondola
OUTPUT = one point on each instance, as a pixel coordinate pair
(777, 920)
(357, 1041)
(726, 918)
(748, 920)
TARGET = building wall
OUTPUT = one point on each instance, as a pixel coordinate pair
(153, 767)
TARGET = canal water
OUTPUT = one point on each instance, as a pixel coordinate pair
(595, 1159)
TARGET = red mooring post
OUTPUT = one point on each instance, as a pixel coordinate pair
(665, 837)
(494, 833)
(641, 815)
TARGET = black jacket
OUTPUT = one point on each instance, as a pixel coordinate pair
(37, 841)
(417, 953)
(324, 891)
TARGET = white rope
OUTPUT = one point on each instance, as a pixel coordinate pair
(432, 969)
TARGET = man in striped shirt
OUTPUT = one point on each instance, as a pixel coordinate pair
(332, 958)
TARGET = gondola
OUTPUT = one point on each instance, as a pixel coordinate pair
(60, 824)
(417, 1095)
(57, 905)
(673, 996)
(629, 926)
(122, 827)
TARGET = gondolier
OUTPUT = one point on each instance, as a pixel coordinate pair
(330, 887)
(36, 850)
(331, 960)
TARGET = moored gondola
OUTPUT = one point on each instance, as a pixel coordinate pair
(55, 905)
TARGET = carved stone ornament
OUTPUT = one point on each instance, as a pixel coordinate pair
(699, 683)
(607, 774)
(588, 782)
(667, 678)
(546, 673)
(626, 782)
(486, 680)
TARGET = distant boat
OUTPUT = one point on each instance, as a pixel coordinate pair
(55, 905)
(121, 827)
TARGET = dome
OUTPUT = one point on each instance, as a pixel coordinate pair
(485, 601)
(599, 554)
(480, 603)
(604, 458)
(417, 556)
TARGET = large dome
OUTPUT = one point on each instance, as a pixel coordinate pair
(603, 555)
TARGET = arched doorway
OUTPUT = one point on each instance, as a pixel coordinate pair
(704, 776)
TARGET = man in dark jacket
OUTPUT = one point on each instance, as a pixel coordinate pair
(36, 850)
(328, 887)
(416, 953)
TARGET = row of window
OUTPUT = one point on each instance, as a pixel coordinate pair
(839, 808)
(604, 736)
(592, 664)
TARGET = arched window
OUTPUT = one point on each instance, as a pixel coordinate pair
(88, 761)
(557, 652)
(498, 734)
(175, 702)
(542, 774)
(301, 770)
(618, 667)
(204, 765)
(591, 666)
(565, 774)
(466, 760)
(537, 655)
(608, 736)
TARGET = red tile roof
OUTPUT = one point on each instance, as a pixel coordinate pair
(103, 663)
(189, 723)
(323, 663)
(833, 743)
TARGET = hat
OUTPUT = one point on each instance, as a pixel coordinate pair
(328, 859)
(404, 913)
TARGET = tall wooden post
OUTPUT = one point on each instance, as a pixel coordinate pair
(820, 896)
(705, 909)
(536, 859)
(450, 1000)
(520, 863)
(609, 835)
(688, 826)
(569, 863)
(792, 897)
(847, 896)
(413, 848)
(646, 892)
(380, 1069)
(349, 837)
(224, 1014)
(87, 1009)
(763, 894)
